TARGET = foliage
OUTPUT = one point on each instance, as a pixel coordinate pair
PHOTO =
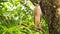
(16, 17)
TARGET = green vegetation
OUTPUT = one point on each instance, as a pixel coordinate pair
(16, 17)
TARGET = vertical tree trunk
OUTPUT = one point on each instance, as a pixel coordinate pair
(51, 10)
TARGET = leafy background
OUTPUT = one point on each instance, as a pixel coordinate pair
(16, 17)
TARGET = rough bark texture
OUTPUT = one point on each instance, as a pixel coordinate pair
(51, 9)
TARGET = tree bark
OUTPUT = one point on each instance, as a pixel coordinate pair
(51, 10)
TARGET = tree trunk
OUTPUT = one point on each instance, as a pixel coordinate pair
(51, 9)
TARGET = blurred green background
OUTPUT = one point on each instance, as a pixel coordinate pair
(16, 17)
